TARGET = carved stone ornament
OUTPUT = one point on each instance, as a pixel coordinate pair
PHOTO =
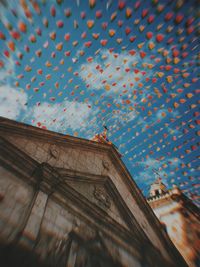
(102, 197)
(54, 152)
(105, 164)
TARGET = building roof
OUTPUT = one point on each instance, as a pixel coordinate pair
(8, 126)
(21, 129)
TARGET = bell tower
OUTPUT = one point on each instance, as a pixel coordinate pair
(157, 188)
(180, 217)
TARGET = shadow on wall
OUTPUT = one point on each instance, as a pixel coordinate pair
(16, 256)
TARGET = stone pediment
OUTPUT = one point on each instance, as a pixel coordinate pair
(102, 194)
(96, 188)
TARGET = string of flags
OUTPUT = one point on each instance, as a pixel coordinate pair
(76, 66)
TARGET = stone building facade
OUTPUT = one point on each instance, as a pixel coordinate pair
(66, 201)
(181, 217)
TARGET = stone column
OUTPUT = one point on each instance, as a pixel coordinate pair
(34, 221)
(72, 255)
(48, 179)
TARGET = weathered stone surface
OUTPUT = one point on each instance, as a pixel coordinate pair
(15, 199)
(181, 219)
(81, 160)
(74, 198)
(36, 216)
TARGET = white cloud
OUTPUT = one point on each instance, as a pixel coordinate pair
(124, 116)
(151, 162)
(117, 73)
(62, 116)
(12, 101)
(159, 115)
(114, 69)
(55, 116)
(8, 71)
(11, 5)
(162, 167)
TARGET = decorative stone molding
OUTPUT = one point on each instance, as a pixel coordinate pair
(102, 197)
(54, 152)
(172, 193)
(51, 179)
(105, 164)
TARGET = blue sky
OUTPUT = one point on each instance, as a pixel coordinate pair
(74, 66)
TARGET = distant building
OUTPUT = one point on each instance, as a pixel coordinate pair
(70, 202)
(181, 218)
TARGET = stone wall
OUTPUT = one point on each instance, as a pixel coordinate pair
(83, 160)
(81, 201)
(48, 225)
(15, 201)
(181, 224)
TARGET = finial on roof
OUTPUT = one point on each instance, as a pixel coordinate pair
(102, 137)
